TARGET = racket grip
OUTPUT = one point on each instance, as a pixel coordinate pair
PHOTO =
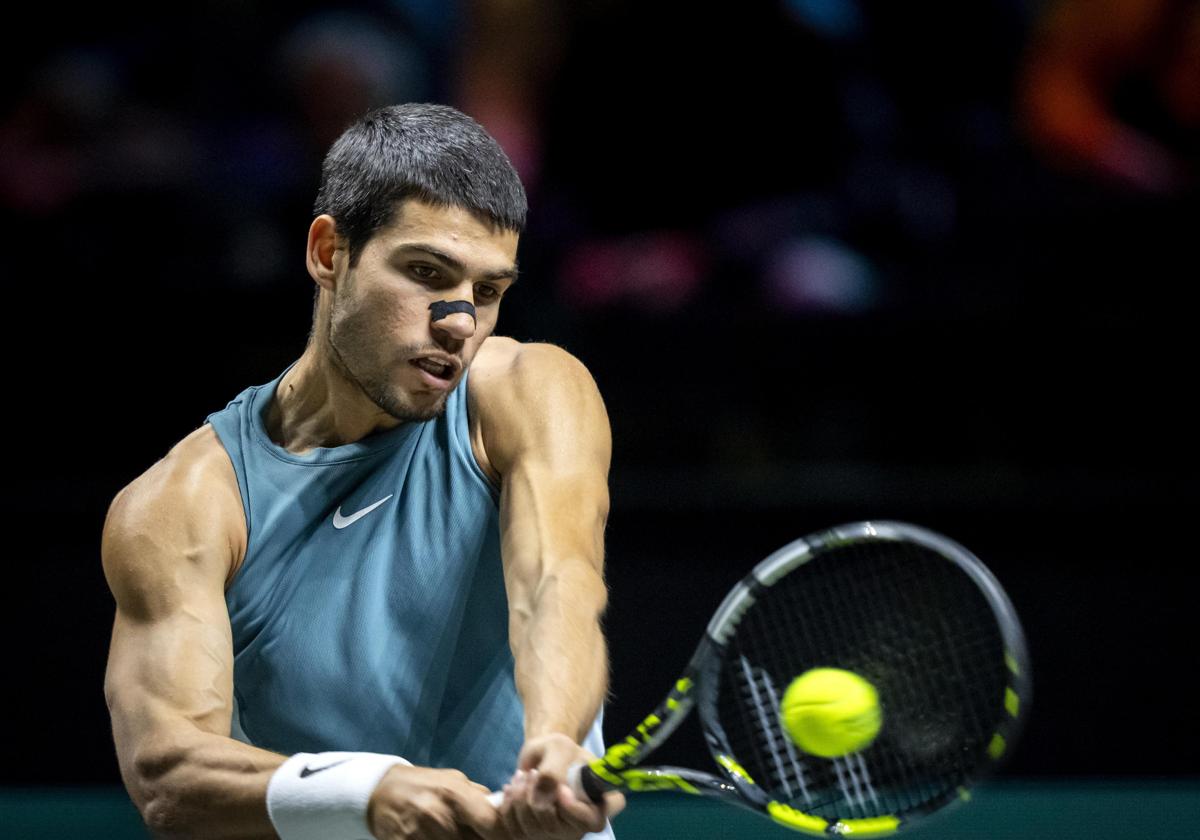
(584, 784)
(580, 779)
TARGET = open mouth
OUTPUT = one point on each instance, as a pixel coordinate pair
(436, 369)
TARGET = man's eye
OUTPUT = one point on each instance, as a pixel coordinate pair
(425, 272)
(487, 292)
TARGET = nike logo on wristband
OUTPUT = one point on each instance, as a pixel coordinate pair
(308, 771)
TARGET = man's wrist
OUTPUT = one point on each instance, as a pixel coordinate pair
(324, 796)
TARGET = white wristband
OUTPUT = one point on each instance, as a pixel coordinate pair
(324, 796)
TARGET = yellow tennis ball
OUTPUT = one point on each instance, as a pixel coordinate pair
(829, 712)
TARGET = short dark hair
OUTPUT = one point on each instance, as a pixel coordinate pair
(434, 153)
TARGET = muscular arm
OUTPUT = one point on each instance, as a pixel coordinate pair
(547, 434)
(168, 547)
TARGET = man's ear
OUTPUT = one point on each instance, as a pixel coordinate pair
(324, 254)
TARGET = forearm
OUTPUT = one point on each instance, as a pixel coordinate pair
(209, 787)
(195, 784)
(560, 653)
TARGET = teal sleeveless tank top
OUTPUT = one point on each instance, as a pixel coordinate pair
(370, 612)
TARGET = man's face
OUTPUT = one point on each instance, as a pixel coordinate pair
(381, 327)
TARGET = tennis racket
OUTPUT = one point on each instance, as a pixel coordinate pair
(915, 614)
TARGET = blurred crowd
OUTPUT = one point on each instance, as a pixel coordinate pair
(811, 155)
(702, 177)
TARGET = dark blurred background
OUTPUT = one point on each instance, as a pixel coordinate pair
(828, 260)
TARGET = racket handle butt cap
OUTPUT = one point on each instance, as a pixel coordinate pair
(583, 784)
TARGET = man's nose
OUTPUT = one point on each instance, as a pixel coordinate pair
(457, 325)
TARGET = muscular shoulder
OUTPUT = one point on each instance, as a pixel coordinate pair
(534, 395)
(505, 370)
(184, 509)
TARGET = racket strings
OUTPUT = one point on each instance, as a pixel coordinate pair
(830, 612)
(911, 623)
(926, 643)
(941, 698)
(839, 602)
(853, 780)
(760, 689)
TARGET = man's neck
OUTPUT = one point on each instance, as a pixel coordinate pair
(315, 405)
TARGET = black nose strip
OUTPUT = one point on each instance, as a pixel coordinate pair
(442, 308)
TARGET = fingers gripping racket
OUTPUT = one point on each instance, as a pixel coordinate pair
(913, 614)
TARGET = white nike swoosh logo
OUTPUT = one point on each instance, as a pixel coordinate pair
(340, 521)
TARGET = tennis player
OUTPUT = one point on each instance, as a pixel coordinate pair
(366, 593)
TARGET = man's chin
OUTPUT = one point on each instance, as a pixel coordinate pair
(416, 411)
(426, 416)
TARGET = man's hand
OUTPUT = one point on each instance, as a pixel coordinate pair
(539, 804)
(423, 803)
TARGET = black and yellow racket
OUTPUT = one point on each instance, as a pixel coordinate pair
(913, 679)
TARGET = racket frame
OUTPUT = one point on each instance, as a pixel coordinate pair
(619, 768)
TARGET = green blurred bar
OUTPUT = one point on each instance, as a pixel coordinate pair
(1009, 810)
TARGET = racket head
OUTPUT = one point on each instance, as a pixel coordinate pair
(914, 613)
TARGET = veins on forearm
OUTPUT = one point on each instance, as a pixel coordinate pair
(561, 658)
